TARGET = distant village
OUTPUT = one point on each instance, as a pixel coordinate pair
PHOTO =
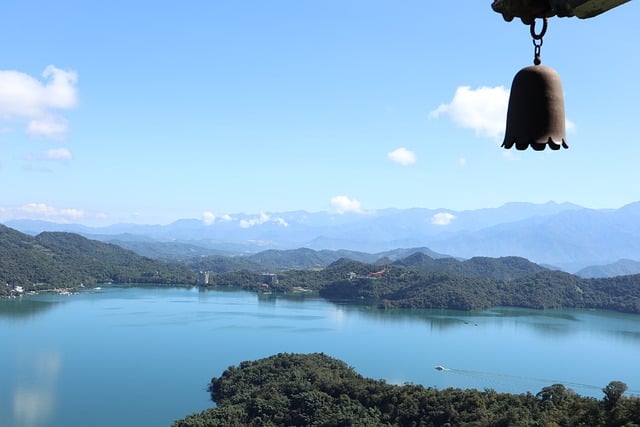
(16, 291)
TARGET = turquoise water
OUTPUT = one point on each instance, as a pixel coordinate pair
(144, 356)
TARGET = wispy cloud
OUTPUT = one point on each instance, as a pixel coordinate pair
(484, 109)
(53, 154)
(442, 218)
(42, 211)
(343, 204)
(402, 156)
(36, 169)
(23, 97)
(262, 219)
(208, 218)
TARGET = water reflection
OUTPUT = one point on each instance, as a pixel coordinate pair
(435, 318)
(550, 322)
(199, 334)
(32, 405)
(24, 307)
(34, 393)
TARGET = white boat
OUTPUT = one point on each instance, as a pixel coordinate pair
(441, 368)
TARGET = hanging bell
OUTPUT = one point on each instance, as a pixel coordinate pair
(535, 116)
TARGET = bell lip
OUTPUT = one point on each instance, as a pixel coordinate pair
(535, 144)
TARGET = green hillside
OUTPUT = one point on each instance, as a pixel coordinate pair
(51, 260)
(475, 284)
(317, 390)
(504, 268)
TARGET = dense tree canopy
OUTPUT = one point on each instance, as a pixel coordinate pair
(65, 260)
(317, 390)
(502, 282)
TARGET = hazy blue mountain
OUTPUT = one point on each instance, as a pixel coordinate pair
(571, 239)
(273, 260)
(623, 267)
(554, 234)
(34, 227)
(167, 251)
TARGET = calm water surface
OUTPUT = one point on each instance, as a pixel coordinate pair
(144, 356)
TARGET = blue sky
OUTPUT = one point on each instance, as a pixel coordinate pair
(153, 111)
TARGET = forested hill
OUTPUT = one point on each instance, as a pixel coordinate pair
(504, 268)
(317, 390)
(486, 282)
(57, 259)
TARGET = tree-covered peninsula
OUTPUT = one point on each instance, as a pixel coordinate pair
(317, 390)
(475, 284)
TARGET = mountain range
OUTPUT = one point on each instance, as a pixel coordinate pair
(589, 242)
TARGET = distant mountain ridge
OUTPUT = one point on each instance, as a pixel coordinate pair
(301, 259)
(563, 235)
(623, 267)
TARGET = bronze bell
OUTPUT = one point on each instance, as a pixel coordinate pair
(535, 116)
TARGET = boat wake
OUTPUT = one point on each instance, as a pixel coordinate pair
(501, 381)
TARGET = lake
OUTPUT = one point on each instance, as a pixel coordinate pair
(132, 356)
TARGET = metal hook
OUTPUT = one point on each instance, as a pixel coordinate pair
(537, 39)
(532, 29)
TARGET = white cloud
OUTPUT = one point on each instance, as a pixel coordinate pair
(60, 154)
(208, 218)
(462, 161)
(484, 109)
(55, 154)
(262, 219)
(402, 156)
(39, 209)
(36, 169)
(71, 213)
(343, 204)
(42, 211)
(442, 218)
(50, 126)
(23, 97)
